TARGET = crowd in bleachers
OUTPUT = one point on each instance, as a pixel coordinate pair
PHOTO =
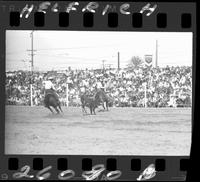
(163, 87)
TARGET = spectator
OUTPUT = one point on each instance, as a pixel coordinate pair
(166, 87)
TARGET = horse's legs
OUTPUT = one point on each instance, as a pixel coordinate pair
(94, 111)
(107, 105)
(60, 108)
(50, 109)
(103, 106)
(55, 107)
(91, 110)
(83, 109)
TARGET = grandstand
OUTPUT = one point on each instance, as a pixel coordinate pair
(141, 87)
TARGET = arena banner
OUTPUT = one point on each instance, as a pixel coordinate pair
(98, 90)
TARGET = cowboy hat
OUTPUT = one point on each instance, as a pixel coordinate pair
(50, 78)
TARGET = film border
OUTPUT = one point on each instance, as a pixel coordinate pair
(173, 15)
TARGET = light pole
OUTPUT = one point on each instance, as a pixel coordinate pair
(103, 63)
(32, 55)
(118, 61)
(156, 63)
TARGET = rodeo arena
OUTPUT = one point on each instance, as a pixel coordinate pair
(141, 109)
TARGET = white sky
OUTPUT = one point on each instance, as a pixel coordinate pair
(86, 49)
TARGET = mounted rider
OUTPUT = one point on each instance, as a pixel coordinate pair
(85, 88)
(49, 87)
(99, 85)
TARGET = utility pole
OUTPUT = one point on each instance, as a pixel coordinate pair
(32, 55)
(145, 95)
(32, 68)
(118, 60)
(156, 63)
(103, 63)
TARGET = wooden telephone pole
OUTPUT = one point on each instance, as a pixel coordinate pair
(156, 63)
(118, 60)
(32, 68)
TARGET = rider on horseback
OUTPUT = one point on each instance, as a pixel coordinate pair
(49, 87)
(99, 85)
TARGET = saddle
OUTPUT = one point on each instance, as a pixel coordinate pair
(49, 92)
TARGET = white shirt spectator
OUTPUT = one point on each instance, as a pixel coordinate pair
(182, 81)
(172, 102)
(85, 83)
(82, 89)
(99, 85)
(48, 85)
(69, 80)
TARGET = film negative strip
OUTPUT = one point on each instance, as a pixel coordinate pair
(97, 90)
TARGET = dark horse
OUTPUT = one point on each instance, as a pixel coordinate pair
(102, 98)
(89, 102)
(51, 100)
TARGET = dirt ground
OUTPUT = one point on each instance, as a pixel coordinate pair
(120, 131)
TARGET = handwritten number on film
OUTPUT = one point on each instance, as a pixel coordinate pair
(24, 173)
(97, 170)
(68, 174)
(65, 175)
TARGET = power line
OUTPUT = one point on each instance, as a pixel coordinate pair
(16, 52)
(83, 47)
